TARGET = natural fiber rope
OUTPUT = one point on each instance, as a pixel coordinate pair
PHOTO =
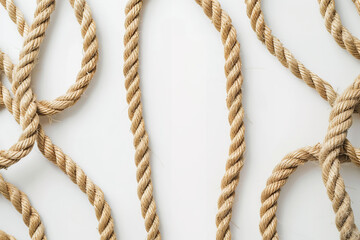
(22, 204)
(279, 176)
(88, 63)
(49, 150)
(222, 23)
(285, 57)
(334, 26)
(328, 153)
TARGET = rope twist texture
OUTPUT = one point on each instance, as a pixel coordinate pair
(26, 110)
(336, 148)
(230, 180)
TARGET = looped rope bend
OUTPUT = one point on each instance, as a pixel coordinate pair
(26, 111)
(335, 146)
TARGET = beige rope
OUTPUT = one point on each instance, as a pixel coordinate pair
(339, 123)
(25, 108)
(88, 63)
(222, 23)
(279, 176)
(334, 26)
(335, 150)
(23, 92)
(330, 151)
(5, 236)
(22, 204)
(285, 57)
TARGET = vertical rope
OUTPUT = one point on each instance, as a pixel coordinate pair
(230, 180)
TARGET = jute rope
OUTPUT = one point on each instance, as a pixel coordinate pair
(335, 146)
(222, 23)
(22, 204)
(334, 26)
(26, 111)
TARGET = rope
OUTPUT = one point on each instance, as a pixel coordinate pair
(334, 26)
(230, 180)
(88, 63)
(22, 204)
(331, 152)
(26, 109)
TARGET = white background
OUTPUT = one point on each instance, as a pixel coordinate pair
(183, 87)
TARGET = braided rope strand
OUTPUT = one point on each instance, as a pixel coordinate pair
(73, 171)
(279, 177)
(48, 149)
(25, 108)
(334, 26)
(22, 204)
(285, 57)
(141, 139)
(230, 180)
(16, 16)
(222, 23)
(88, 64)
(339, 123)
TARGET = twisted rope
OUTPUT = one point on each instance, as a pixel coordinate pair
(88, 63)
(285, 57)
(230, 180)
(334, 26)
(280, 175)
(22, 204)
(19, 75)
(25, 108)
(235, 161)
(141, 138)
(329, 153)
(339, 123)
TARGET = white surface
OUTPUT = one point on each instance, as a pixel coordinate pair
(183, 87)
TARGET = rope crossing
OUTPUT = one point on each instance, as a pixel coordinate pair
(22, 104)
(335, 148)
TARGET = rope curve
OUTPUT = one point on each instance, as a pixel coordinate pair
(222, 23)
(279, 177)
(25, 108)
(334, 26)
(339, 123)
(22, 204)
(285, 57)
(328, 153)
(88, 62)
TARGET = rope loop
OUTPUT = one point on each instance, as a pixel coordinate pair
(22, 104)
(280, 175)
(339, 123)
(26, 109)
(335, 149)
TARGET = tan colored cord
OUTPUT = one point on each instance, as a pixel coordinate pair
(280, 175)
(22, 204)
(230, 180)
(335, 143)
(334, 26)
(88, 63)
(286, 58)
(25, 108)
